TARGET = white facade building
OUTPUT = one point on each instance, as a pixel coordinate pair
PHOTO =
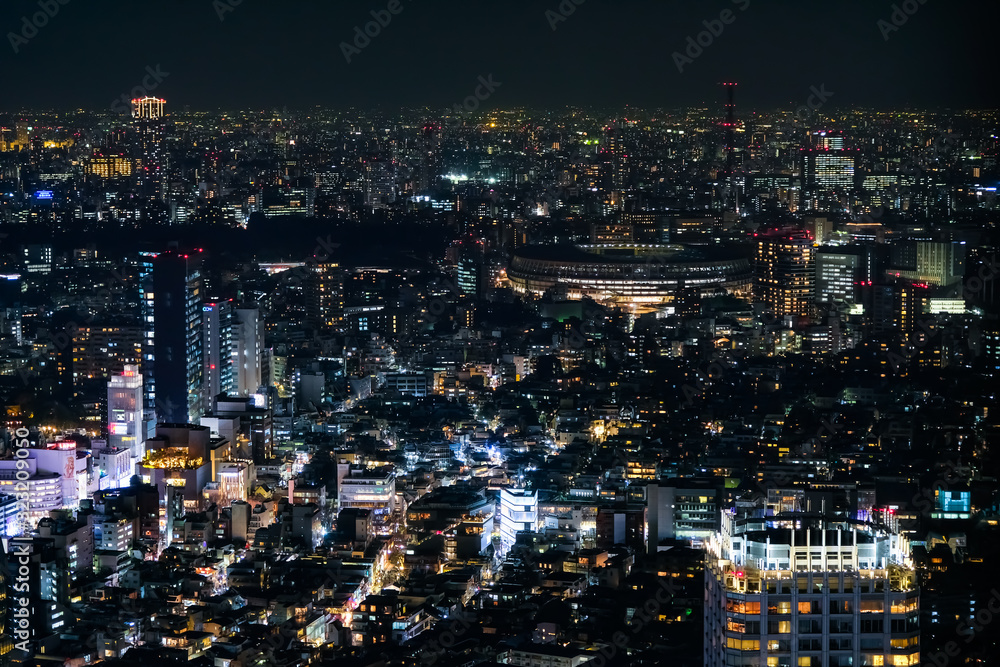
(43, 492)
(518, 512)
(248, 346)
(114, 466)
(372, 489)
(802, 590)
(125, 424)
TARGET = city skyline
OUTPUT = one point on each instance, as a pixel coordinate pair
(562, 334)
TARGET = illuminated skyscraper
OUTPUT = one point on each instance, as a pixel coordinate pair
(125, 414)
(150, 154)
(177, 337)
(794, 588)
(379, 183)
(430, 154)
(616, 156)
(109, 166)
(217, 325)
(326, 302)
(836, 275)
(784, 273)
(731, 193)
(827, 175)
(233, 344)
(148, 108)
(471, 268)
(148, 311)
(829, 169)
(912, 300)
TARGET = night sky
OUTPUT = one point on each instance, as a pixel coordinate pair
(609, 53)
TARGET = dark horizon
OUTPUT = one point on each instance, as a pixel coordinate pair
(263, 55)
(177, 108)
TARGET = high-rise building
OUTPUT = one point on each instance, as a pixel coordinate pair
(73, 540)
(40, 493)
(217, 325)
(828, 169)
(126, 427)
(379, 183)
(148, 108)
(871, 261)
(827, 174)
(912, 300)
(11, 308)
(471, 268)
(111, 165)
(930, 262)
(784, 273)
(879, 302)
(147, 310)
(102, 350)
(802, 589)
(255, 422)
(43, 582)
(616, 157)
(248, 346)
(326, 306)
(890, 190)
(177, 337)
(142, 503)
(430, 157)
(836, 276)
(280, 201)
(150, 150)
(56, 479)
